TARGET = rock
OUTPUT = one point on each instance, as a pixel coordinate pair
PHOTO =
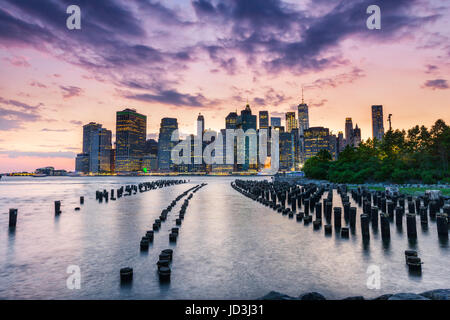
(354, 298)
(384, 297)
(438, 294)
(312, 296)
(407, 296)
(274, 295)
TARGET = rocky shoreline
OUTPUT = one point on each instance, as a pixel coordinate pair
(438, 294)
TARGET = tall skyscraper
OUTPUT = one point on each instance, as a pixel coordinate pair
(291, 122)
(275, 122)
(131, 134)
(356, 136)
(377, 122)
(264, 120)
(316, 139)
(231, 120)
(340, 142)
(348, 131)
(97, 148)
(100, 155)
(303, 116)
(200, 126)
(287, 151)
(88, 130)
(165, 144)
(247, 121)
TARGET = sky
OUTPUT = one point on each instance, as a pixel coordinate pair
(185, 57)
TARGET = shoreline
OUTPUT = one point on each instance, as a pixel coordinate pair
(437, 294)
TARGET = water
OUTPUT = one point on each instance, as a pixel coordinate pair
(229, 247)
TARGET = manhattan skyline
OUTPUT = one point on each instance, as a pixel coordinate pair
(178, 58)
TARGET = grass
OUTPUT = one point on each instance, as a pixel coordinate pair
(445, 192)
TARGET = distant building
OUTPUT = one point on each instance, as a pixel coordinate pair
(291, 122)
(348, 131)
(231, 120)
(247, 121)
(303, 117)
(97, 146)
(264, 120)
(356, 136)
(100, 151)
(82, 163)
(200, 126)
(340, 142)
(377, 122)
(287, 151)
(316, 139)
(165, 145)
(275, 121)
(150, 162)
(131, 133)
(151, 147)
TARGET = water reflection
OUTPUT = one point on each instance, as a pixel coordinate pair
(229, 247)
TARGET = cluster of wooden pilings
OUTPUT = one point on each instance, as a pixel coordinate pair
(133, 189)
(166, 256)
(310, 204)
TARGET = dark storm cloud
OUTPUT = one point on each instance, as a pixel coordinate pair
(296, 39)
(173, 97)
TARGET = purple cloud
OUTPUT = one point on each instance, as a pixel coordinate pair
(70, 91)
(438, 84)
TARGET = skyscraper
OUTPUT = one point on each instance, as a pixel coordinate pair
(100, 154)
(275, 122)
(348, 131)
(231, 120)
(200, 126)
(247, 121)
(356, 136)
(291, 122)
(377, 122)
(303, 116)
(165, 144)
(264, 120)
(96, 156)
(131, 134)
(316, 139)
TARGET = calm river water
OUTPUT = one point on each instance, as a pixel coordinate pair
(229, 247)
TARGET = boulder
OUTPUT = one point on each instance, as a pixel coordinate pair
(312, 296)
(384, 297)
(407, 296)
(354, 298)
(438, 294)
(274, 295)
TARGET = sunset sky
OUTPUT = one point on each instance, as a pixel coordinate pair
(176, 58)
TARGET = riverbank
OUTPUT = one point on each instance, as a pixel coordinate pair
(438, 294)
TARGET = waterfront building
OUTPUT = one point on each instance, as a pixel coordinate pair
(356, 136)
(377, 122)
(348, 131)
(275, 121)
(165, 145)
(247, 121)
(316, 139)
(263, 120)
(291, 122)
(151, 147)
(82, 163)
(131, 133)
(231, 120)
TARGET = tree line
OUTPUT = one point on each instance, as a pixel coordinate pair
(418, 155)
